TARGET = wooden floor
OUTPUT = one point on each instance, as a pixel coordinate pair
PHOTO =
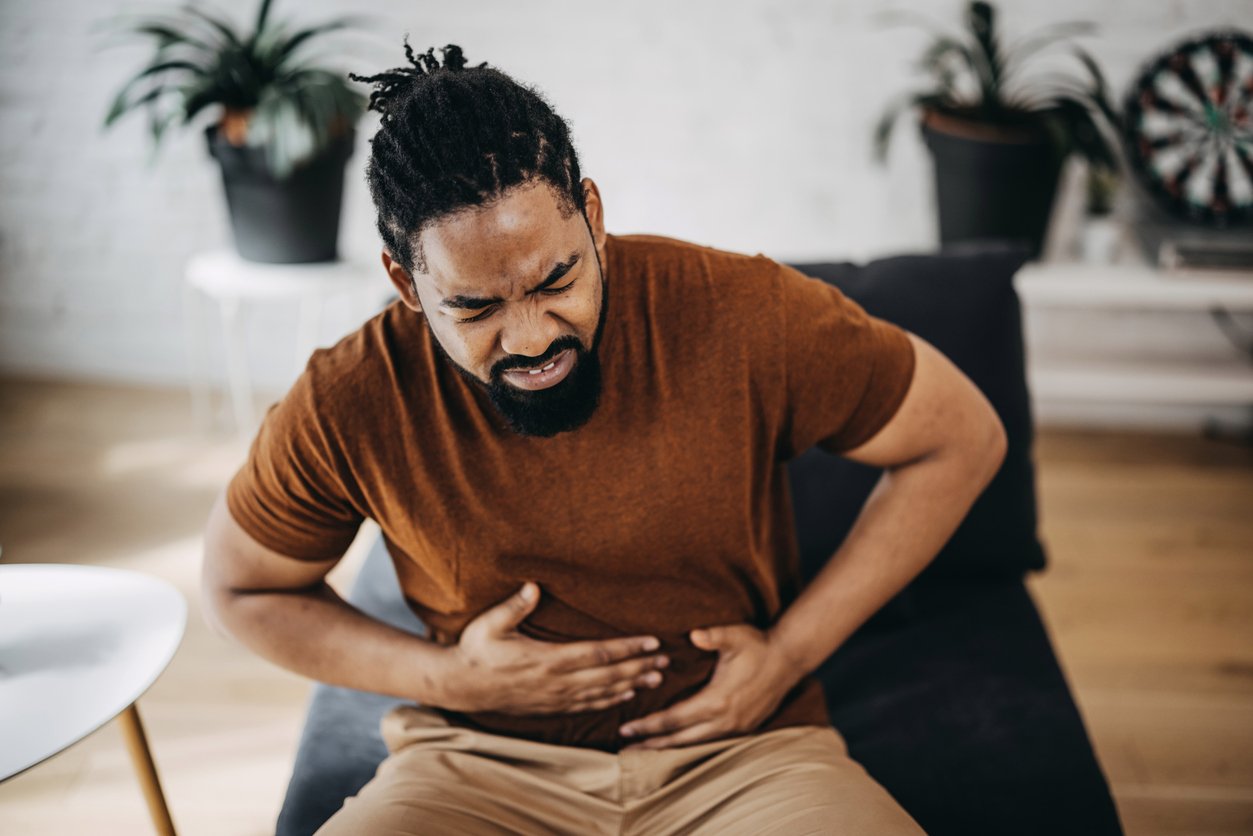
(1149, 599)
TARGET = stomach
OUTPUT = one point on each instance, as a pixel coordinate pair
(689, 670)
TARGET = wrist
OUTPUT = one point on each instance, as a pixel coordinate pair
(792, 658)
(439, 682)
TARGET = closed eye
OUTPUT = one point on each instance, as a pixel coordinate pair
(476, 318)
(550, 291)
(554, 291)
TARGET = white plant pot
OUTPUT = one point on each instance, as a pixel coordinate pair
(1101, 240)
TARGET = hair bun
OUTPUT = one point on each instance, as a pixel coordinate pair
(388, 85)
(454, 58)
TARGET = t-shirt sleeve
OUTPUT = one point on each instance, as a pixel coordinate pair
(290, 494)
(846, 371)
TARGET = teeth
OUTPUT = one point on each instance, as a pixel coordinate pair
(544, 369)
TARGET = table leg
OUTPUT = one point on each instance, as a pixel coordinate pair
(197, 364)
(237, 365)
(141, 757)
(307, 329)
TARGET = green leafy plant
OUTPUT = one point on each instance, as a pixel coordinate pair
(1101, 188)
(269, 93)
(976, 78)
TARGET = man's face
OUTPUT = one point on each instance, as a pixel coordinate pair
(514, 287)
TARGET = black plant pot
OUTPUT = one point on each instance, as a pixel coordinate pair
(294, 220)
(993, 189)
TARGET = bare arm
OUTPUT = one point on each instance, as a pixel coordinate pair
(940, 451)
(283, 609)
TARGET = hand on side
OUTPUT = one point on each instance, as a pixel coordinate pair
(751, 678)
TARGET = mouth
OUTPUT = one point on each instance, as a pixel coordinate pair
(550, 374)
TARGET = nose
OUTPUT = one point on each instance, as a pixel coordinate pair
(528, 332)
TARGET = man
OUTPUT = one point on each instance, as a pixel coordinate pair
(574, 445)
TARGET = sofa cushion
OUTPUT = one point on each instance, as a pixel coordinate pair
(963, 303)
(963, 714)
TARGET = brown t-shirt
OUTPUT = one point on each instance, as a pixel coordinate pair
(669, 510)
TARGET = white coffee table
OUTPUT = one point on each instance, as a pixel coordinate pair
(78, 646)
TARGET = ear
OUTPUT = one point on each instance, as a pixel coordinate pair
(595, 211)
(402, 281)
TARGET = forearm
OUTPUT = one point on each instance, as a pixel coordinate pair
(911, 513)
(314, 632)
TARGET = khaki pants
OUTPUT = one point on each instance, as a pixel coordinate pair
(440, 779)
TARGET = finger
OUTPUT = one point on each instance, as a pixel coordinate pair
(648, 680)
(678, 716)
(632, 670)
(597, 654)
(600, 704)
(715, 638)
(508, 614)
(692, 734)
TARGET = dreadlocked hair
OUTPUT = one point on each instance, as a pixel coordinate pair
(453, 137)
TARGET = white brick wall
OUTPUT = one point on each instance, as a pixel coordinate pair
(739, 124)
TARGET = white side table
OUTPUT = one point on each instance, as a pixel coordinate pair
(223, 277)
(79, 645)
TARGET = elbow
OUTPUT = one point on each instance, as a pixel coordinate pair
(214, 600)
(993, 446)
(217, 597)
(220, 562)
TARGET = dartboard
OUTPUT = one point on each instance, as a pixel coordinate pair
(1189, 130)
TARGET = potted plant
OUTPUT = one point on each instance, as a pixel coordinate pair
(1101, 236)
(284, 126)
(998, 137)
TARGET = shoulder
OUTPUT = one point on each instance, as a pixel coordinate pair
(673, 254)
(674, 266)
(348, 379)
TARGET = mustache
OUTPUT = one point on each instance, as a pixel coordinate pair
(516, 362)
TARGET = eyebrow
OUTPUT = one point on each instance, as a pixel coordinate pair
(475, 302)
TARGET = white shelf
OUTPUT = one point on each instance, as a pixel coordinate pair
(1132, 286)
(1128, 287)
(1106, 382)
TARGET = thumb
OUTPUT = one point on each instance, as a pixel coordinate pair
(508, 614)
(713, 638)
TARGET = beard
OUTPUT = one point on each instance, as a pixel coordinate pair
(562, 407)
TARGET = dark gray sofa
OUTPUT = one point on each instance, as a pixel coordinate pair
(950, 696)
